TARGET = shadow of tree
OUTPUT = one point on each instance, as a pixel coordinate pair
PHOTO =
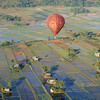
(54, 68)
(69, 81)
(97, 75)
(39, 59)
(77, 51)
(19, 81)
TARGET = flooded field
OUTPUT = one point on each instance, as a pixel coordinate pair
(78, 75)
(39, 31)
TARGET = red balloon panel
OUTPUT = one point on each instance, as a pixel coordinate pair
(55, 22)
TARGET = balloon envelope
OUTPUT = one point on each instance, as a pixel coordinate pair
(55, 22)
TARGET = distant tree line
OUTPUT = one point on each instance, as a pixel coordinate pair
(10, 18)
(32, 3)
(5, 43)
(80, 10)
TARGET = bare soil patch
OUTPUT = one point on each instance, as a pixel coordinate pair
(82, 43)
(96, 68)
(92, 43)
(57, 42)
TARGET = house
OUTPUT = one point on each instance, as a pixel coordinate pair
(6, 89)
(97, 54)
(47, 75)
(51, 90)
(35, 58)
(16, 66)
(51, 81)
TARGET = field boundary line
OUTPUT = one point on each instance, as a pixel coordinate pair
(10, 72)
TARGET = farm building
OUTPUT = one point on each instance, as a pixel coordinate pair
(51, 81)
(6, 89)
(47, 75)
(35, 58)
(97, 54)
(16, 66)
(51, 90)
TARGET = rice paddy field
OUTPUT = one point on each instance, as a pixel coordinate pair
(79, 76)
(38, 30)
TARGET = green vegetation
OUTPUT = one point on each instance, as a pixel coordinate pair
(17, 20)
(3, 89)
(9, 85)
(58, 86)
(15, 48)
(32, 3)
(71, 52)
(10, 18)
(22, 24)
(98, 75)
(0, 87)
(94, 50)
(5, 43)
(98, 65)
(62, 59)
(45, 69)
(79, 10)
(16, 69)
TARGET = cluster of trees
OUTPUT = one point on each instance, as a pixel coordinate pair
(85, 34)
(98, 65)
(9, 85)
(71, 52)
(15, 48)
(22, 24)
(16, 19)
(45, 69)
(5, 43)
(80, 10)
(10, 18)
(59, 86)
(32, 3)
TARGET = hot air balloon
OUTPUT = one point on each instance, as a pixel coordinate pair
(55, 22)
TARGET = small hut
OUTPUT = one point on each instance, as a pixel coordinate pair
(97, 54)
(6, 89)
(51, 81)
(35, 58)
(47, 75)
(16, 66)
(51, 90)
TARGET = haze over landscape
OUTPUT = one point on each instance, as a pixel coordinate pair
(42, 59)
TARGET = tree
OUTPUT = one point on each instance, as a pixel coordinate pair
(44, 68)
(71, 52)
(9, 83)
(12, 60)
(98, 65)
(62, 84)
(0, 87)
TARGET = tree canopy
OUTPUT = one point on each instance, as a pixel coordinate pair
(32, 3)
